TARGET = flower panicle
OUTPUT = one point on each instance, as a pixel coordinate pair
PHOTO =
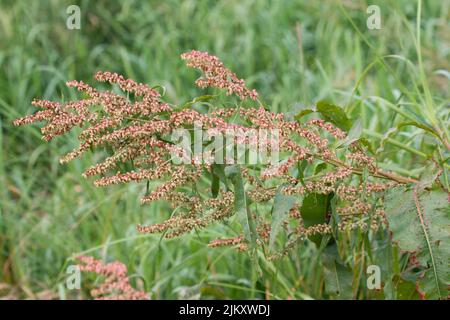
(217, 75)
(130, 130)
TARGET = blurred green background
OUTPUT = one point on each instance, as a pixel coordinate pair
(290, 51)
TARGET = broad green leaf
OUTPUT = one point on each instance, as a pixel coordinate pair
(385, 138)
(334, 114)
(406, 290)
(402, 215)
(422, 225)
(390, 132)
(429, 175)
(329, 112)
(314, 211)
(240, 204)
(281, 206)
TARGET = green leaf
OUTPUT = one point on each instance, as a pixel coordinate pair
(418, 125)
(367, 144)
(385, 138)
(421, 224)
(329, 112)
(334, 114)
(314, 211)
(320, 167)
(215, 183)
(217, 176)
(203, 98)
(429, 175)
(353, 135)
(338, 278)
(212, 292)
(406, 290)
(162, 88)
(301, 166)
(281, 206)
(300, 110)
(397, 128)
(240, 204)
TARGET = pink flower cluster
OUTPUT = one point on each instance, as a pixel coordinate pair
(217, 75)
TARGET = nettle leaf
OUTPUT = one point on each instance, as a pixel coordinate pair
(421, 224)
(241, 206)
(334, 114)
(281, 206)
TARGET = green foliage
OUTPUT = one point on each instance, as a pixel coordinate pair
(406, 290)
(353, 135)
(338, 277)
(218, 176)
(243, 214)
(281, 206)
(202, 99)
(315, 208)
(328, 111)
(420, 224)
(334, 114)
